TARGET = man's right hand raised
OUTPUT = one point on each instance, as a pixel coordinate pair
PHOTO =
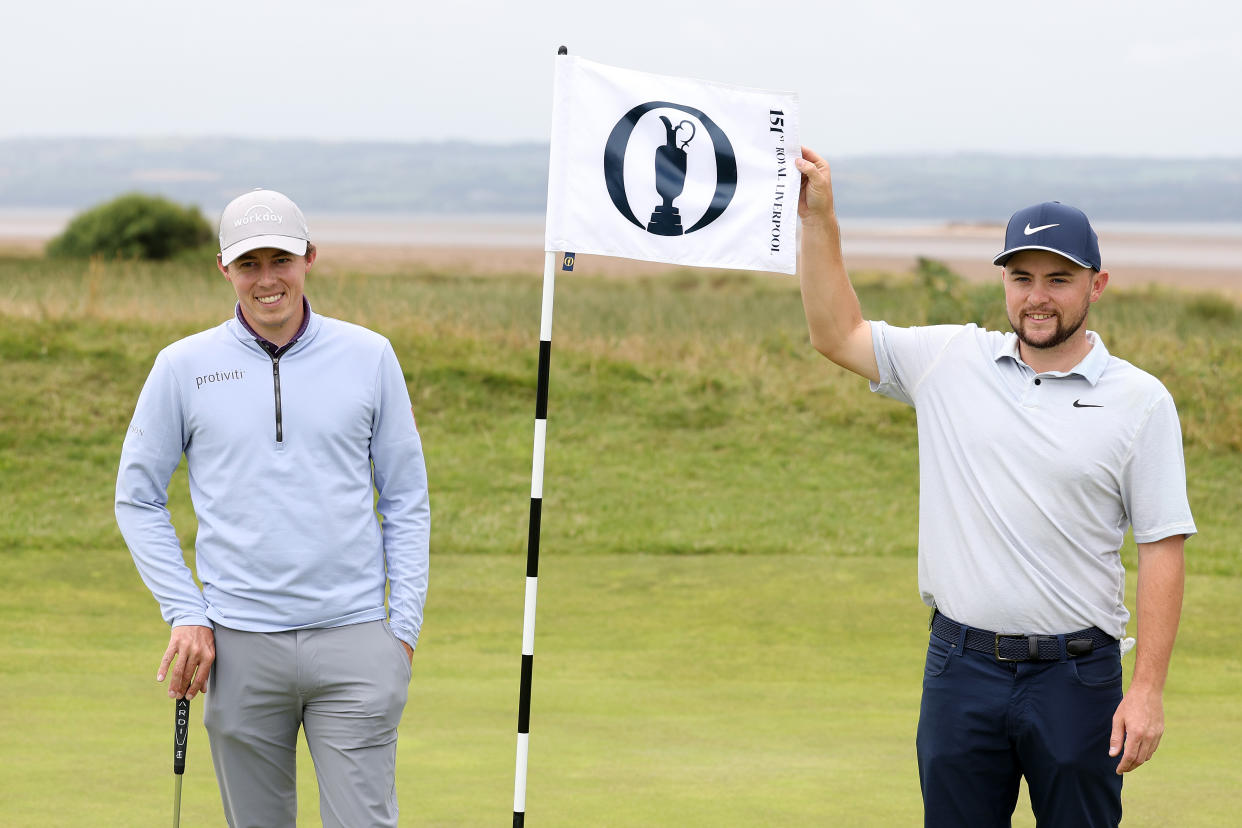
(833, 315)
(815, 198)
(191, 652)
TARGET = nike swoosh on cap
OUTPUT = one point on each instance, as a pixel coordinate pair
(1029, 229)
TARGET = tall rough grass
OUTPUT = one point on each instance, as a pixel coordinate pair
(701, 381)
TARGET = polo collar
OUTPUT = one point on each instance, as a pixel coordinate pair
(245, 332)
(1091, 368)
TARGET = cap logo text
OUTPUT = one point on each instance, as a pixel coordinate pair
(258, 213)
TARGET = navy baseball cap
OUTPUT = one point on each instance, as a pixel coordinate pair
(1052, 226)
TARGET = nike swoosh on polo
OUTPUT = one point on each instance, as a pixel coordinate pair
(1078, 404)
(1029, 229)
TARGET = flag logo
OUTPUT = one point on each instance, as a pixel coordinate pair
(706, 176)
(668, 169)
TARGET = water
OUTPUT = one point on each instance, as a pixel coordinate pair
(1173, 245)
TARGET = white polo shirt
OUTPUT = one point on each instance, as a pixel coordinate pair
(1029, 481)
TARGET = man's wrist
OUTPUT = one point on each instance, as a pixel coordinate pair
(1146, 686)
(827, 221)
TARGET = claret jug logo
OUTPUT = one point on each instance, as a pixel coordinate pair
(257, 213)
(694, 165)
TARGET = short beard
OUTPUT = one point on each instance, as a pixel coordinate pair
(1060, 335)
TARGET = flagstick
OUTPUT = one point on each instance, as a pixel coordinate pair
(532, 543)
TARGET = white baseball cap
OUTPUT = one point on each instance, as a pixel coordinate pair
(261, 218)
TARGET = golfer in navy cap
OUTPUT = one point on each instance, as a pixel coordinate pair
(1038, 450)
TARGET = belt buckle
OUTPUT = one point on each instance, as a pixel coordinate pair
(996, 646)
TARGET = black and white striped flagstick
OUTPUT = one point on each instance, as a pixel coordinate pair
(532, 541)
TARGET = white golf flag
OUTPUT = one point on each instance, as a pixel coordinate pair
(672, 169)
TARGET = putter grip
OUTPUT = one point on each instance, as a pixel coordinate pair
(181, 733)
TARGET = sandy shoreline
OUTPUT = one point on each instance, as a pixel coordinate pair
(499, 260)
(1201, 261)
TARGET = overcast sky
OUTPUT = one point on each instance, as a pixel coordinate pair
(1009, 76)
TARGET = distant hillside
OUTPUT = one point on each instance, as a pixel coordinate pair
(444, 177)
(990, 187)
(454, 177)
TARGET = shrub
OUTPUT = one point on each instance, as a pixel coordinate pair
(133, 226)
(1210, 307)
(946, 293)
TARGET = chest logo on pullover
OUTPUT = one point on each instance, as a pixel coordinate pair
(218, 376)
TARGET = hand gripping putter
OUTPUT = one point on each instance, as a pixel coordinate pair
(181, 732)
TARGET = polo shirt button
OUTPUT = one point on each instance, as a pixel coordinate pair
(1037, 380)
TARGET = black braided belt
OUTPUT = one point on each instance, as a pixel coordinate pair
(1020, 647)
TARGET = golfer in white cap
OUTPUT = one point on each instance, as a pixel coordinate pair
(296, 429)
(1037, 451)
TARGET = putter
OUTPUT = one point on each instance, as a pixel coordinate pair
(181, 728)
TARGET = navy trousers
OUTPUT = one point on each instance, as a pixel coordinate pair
(985, 724)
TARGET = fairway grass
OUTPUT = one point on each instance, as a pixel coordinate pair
(712, 690)
(729, 630)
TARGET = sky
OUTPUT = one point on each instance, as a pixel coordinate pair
(1046, 77)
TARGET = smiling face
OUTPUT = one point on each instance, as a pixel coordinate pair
(1047, 298)
(269, 284)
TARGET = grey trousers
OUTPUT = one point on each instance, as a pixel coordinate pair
(347, 686)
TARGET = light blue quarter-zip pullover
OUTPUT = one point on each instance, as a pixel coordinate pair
(284, 457)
